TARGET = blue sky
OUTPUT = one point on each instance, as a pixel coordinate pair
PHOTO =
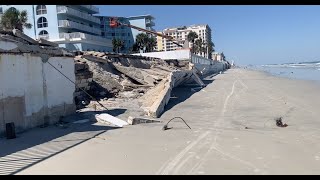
(247, 34)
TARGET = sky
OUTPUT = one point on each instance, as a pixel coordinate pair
(247, 34)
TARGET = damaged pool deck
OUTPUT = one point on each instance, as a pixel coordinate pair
(218, 143)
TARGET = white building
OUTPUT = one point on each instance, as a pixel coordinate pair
(181, 34)
(71, 26)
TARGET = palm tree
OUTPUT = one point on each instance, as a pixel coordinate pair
(210, 49)
(198, 46)
(141, 40)
(151, 44)
(191, 38)
(15, 19)
(135, 48)
(145, 43)
(118, 45)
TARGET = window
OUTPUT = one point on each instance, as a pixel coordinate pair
(102, 33)
(128, 34)
(112, 34)
(44, 34)
(1, 12)
(122, 34)
(42, 22)
(41, 9)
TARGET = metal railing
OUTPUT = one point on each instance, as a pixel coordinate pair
(83, 36)
(73, 12)
(149, 22)
(71, 24)
(46, 37)
(91, 7)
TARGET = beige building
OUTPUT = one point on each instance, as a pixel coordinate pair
(159, 43)
(181, 34)
(218, 56)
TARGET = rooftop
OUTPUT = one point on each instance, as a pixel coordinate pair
(141, 16)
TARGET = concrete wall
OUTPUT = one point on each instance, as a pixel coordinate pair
(32, 93)
(196, 59)
(204, 65)
(179, 54)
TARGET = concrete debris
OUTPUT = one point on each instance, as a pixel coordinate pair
(131, 77)
(44, 42)
(16, 42)
(81, 121)
(279, 122)
(21, 35)
(110, 119)
(140, 120)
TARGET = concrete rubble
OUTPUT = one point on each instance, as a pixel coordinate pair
(110, 119)
(140, 85)
(21, 43)
(145, 81)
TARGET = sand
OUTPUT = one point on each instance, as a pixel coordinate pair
(233, 132)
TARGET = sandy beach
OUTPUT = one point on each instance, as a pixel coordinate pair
(233, 131)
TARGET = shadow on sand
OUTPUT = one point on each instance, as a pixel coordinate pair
(39, 144)
(183, 92)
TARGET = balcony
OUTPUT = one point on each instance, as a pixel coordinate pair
(46, 37)
(77, 14)
(149, 23)
(89, 8)
(78, 36)
(81, 27)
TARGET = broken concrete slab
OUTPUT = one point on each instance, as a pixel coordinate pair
(111, 119)
(44, 42)
(133, 73)
(81, 121)
(140, 120)
(7, 45)
(157, 98)
(21, 35)
(197, 79)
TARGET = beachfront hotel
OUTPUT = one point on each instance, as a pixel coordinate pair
(79, 27)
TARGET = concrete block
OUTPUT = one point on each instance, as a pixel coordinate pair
(139, 120)
(79, 66)
(44, 42)
(7, 45)
(111, 119)
(77, 94)
(82, 85)
(84, 81)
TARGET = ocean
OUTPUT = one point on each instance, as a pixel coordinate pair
(303, 70)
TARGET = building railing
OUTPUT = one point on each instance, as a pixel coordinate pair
(71, 24)
(83, 36)
(91, 7)
(149, 22)
(46, 37)
(196, 59)
(70, 11)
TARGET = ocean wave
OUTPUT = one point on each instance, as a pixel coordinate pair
(294, 65)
